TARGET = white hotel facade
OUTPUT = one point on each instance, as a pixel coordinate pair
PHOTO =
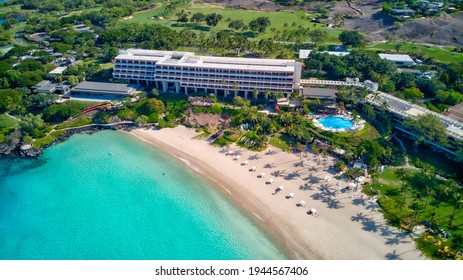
(185, 72)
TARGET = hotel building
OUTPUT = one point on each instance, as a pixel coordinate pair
(185, 72)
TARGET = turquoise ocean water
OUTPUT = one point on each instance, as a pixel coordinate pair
(110, 196)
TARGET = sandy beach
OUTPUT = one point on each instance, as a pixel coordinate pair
(347, 225)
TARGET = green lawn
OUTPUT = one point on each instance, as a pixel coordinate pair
(280, 141)
(7, 122)
(277, 19)
(6, 9)
(7, 125)
(442, 54)
(75, 123)
(418, 205)
(107, 65)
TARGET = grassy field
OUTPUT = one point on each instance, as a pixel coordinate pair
(416, 206)
(277, 19)
(280, 141)
(7, 125)
(442, 54)
(7, 122)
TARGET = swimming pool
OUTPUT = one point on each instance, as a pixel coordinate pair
(336, 122)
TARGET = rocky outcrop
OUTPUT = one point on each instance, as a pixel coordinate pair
(7, 148)
(31, 152)
(15, 148)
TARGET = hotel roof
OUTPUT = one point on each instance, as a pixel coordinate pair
(189, 59)
(109, 88)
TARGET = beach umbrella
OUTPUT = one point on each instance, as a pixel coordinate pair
(245, 162)
(262, 174)
(313, 210)
(302, 203)
(291, 195)
(281, 188)
(270, 181)
(253, 168)
(229, 152)
(237, 157)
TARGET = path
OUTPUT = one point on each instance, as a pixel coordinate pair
(17, 38)
(407, 165)
(13, 117)
(353, 8)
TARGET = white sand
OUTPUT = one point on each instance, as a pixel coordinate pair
(344, 228)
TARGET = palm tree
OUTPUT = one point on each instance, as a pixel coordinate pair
(261, 141)
(355, 116)
(369, 111)
(427, 170)
(253, 117)
(458, 203)
(317, 151)
(272, 95)
(405, 189)
(429, 193)
(376, 97)
(224, 82)
(433, 217)
(236, 87)
(374, 176)
(325, 159)
(255, 93)
(363, 93)
(403, 175)
(266, 94)
(258, 128)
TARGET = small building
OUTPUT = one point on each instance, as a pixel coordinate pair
(49, 87)
(57, 71)
(403, 12)
(303, 54)
(82, 28)
(97, 89)
(398, 59)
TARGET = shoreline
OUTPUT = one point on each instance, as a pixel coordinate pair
(242, 202)
(299, 235)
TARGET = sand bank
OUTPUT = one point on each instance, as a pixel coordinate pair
(348, 226)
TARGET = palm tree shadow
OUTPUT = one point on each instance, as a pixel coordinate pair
(393, 241)
(254, 157)
(393, 256)
(292, 175)
(385, 231)
(306, 187)
(270, 165)
(278, 173)
(358, 202)
(372, 206)
(271, 152)
(333, 203)
(359, 217)
(370, 225)
(299, 164)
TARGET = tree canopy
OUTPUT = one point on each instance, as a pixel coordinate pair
(427, 127)
(259, 24)
(351, 39)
